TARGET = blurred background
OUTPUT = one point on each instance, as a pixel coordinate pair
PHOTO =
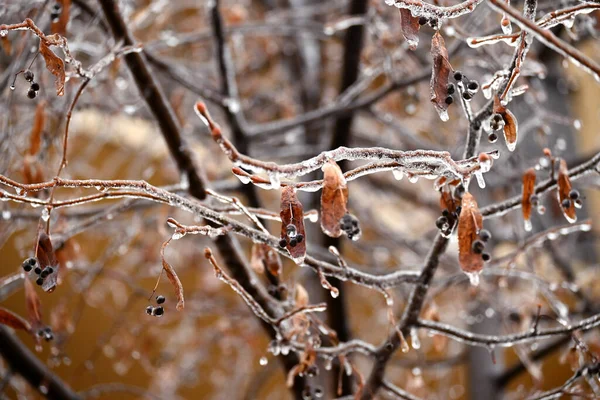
(290, 59)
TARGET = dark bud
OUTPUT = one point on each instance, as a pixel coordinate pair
(473, 85)
(299, 238)
(445, 212)
(149, 310)
(282, 243)
(440, 222)
(423, 20)
(534, 200)
(35, 86)
(28, 75)
(467, 95)
(486, 257)
(29, 263)
(492, 137)
(573, 194)
(449, 100)
(160, 299)
(485, 235)
(293, 242)
(478, 246)
(39, 281)
(450, 88)
(44, 273)
(31, 94)
(26, 267)
(566, 203)
(458, 75)
(37, 270)
(158, 311)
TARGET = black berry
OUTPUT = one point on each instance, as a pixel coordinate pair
(486, 257)
(39, 281)
(28, 75)
(573, 194)
(493, 137)
(37, 270)
(458, 75)
(160, 299)
(450, 88)
(473, 85)
(282, 243)
(299, 237)
(478, 247)
(449, 100)
(440, 222)
(422, 21)
(149, 310)
(31, 94)
(158, 311)
(35, 86)
(467, 96)
(566, 203)
(485, 235)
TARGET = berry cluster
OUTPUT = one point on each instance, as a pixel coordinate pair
(157, 311)
(35, 87)
(479, 244)
(447, 221)
(292, 237)
(470, 87)
(496, 123)
(33, 264)
(55, 12)
(573, 197)
(433, 22)
(349, 224)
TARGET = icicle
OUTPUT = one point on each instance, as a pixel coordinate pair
(473, 278)
(398, 174)
(414, 339)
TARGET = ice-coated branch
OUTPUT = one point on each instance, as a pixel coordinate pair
(420, 8)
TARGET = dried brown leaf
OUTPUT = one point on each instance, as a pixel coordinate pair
(334, 199)
(469, 224)
(441, 69)
(173, 278)
(60, 24)
(528, 191)
(13, 320)
(510, 129)
(56, 66)
(563, 190)
(292, 213)
(409, 26)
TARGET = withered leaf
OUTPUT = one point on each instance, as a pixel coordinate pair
(563, 190)
(410, 28)
(13, 320)
(173, 278)
(265, 258)
(292, 213)
(441, 69)
(56, 66)
(59, 25)
(469, 223)
(528, 190)
(334, 199)
(511, 126)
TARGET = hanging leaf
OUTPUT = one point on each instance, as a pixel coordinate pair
(334, 199)
(59, 25)
(510, 124)
(56, 66)
(528, 191)
(11, 319)
(265, 258)
(292, 225)
(567, 205)
(470, 222)
(173, 278)
(48, 262)
(441, 69)
(410, 28)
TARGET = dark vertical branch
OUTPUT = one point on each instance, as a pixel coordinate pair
(336, 308)
(409, 318)
(25, 363)
(162, 112)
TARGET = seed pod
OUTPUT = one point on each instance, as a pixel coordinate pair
(409, 26)
(563, 191)
(528, 191)
(470, 222)
(441, 69)
(292, 213)
(334, 199)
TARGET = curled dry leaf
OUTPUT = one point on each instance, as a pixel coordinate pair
(265, 258)
(292, 217)
(173, 278)
(441, 69)
(528, 191)
(334, 199)
(469, 224)
(511, 126)
(59, 25)
(13, 320)
(563, 190)
(410, 28)
(56, 66)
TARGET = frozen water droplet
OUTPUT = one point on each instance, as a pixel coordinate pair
(101, 189)
(43, 389)
(314, 217)
(473, 278)
(413, 178)
(334, 293)
(389, 301)
(129, 109)
(414, 339)
(3, 33)
(275, 180)
(244, 179)
(527, 225)
(12, 87)
(398, 174)
(577, 124)
(263, 361)
(328, 364)
(45, 214)
(404, 345)
(444, 115)
(489, 312)
(6, 215)
(177, 235)
(480, 180)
